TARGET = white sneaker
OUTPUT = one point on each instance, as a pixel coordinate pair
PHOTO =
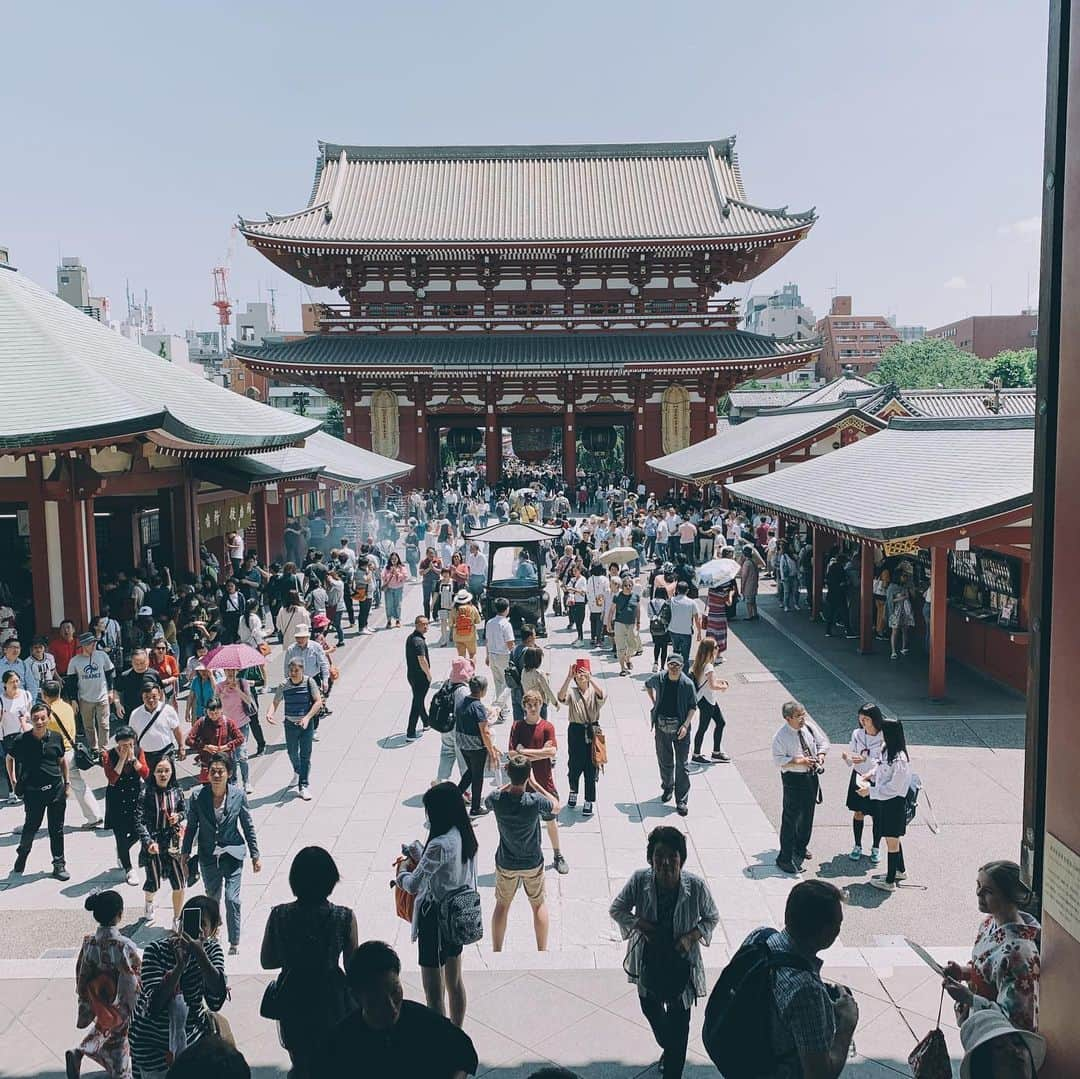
(148, 913)
(305, 793)
(132, 878)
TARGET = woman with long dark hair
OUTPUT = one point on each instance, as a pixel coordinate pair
(863, 753)
(393, 585)
(159, 822)
(446, 862)
(703, 673)
(889, 782)
(311, 941)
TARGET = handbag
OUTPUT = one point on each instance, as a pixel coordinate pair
(461, 921)
(404, 902)
(930, 1058)
(597, 746)
(84, 759)
(272, 1005)
(662, 972)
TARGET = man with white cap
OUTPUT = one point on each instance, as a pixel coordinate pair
(311, 654)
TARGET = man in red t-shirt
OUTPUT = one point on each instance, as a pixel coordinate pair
(534, 738)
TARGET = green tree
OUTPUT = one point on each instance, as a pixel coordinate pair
(930, 363)
(1015, 367)
(334, 424)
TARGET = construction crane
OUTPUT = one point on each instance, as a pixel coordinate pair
(221, 293)
(223, 304)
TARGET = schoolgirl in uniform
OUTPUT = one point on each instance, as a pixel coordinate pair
(888, 787)
(863, 753)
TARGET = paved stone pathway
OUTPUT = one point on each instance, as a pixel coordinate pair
(571, 1004)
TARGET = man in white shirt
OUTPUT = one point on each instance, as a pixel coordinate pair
(798, 750)
(498, 642)
(477, 564)
(156, 726)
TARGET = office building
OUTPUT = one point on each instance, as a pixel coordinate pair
(987, 335)
(852, 341)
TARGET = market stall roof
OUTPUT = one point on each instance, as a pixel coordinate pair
(513, 532)
(322, 457)
(65, 378)
(917, 477)
(765, 436)
(390, 195)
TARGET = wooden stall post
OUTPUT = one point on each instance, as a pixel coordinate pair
(866, 599)
(939, 577)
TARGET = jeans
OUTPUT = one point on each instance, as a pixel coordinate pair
(393, 604)
(596, 627)
(671, 755)
(449, 754)
(577, 617)
(413, 564)
(671, 1028)
(240, 757)
(476, 585)
(709, 713)
(418, 711)
(298, 745)
(836, 610)
(37, 805)
(581, 762)
(797, 815)
(430, 586)
(680, 642)
(475, 761)
(225, 870)
(363, 612)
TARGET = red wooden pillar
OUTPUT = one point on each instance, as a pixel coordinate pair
(781, 530)
(275, 523)
(262, 526)
(641, 454)
(818, 582)
(185, 528)
(939, 576)
(39, 548)
(79, 576)
(866, 599)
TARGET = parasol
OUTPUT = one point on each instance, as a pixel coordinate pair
(718, 571)
(233, 657)
(618, 554)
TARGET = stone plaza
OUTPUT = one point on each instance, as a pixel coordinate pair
(573, 1005)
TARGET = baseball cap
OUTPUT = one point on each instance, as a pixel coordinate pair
(85, 639)
(145, 612)
(675, 657)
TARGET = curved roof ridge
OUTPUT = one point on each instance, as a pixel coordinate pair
(526, 151)
(779, 211)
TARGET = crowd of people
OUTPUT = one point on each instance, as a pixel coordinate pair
(110, 696)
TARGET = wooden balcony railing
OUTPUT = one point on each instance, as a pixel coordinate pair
(380, 316)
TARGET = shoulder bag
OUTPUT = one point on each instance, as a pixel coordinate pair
(150, 723)
(84, 759)
(597, 746)
(461, 921)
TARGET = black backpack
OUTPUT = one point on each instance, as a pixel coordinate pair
(659, 618)
(441, 711)
(512, 674)
(737, 1033)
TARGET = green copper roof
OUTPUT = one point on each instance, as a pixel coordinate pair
(64, 377)
(500, 351)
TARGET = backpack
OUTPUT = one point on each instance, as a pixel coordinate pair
(441, 711)
(463, 621)
(512, 674)
(911, 799)
(659, 617)
(736, 1033)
